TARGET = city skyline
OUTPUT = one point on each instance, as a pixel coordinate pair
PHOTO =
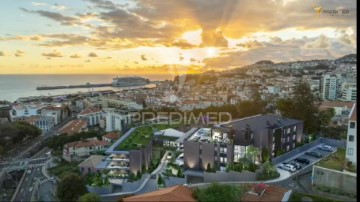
(143, 37)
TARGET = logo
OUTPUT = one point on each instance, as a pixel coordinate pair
(319, 10)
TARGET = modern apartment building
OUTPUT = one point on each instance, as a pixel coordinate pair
(126, 157)
(227, 143)
(348, 92)
(45, 123)
(351, 136)
(92, 115)
(20, 111)
(116, 119)
(330, 87)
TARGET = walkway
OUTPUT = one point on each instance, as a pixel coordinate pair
(162, 164)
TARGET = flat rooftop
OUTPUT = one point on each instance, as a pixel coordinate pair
(260, 121)
(140, 137)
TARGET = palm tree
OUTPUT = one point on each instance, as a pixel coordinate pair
(267, 166)
(253, 152)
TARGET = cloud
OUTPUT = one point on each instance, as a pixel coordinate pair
(250, 44)
(321, 42)
(64, 20)
(2, 53)
(59, 7)
(75, 56)
(53, 54)
(92, 54)
(211, 38)
(39, 4)
(143, 57)
(19, 53)
(183, 44)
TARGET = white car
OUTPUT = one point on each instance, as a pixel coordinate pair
(326, 148)
(28, 172)
(287, 167)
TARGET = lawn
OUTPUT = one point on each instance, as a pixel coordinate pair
(334, 161)
(296, 196)
(141, 137)
(64, 168)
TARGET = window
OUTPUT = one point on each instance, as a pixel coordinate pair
(350, 151)
(288, 139)
(351, 138)
(221, 159)
(352, 124)
(287, 148)
(294, 128)
(273, 148)
(273, 139)
(225, 160)
(225, 150)
(293, 146)
(288, 130)
(294, 136)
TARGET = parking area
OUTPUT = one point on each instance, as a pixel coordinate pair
(284, 173)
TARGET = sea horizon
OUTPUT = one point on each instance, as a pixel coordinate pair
(14, 86)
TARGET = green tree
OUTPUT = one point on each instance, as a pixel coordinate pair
(217, 192)
(160, 180)
(138, 175)
(265, 155)
(302, 105)
(252, 152)
(268, 167)
(89, 197)
(208, 168)
(71, 187)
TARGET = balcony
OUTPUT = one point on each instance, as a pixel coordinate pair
(118, 165)
(118, 157)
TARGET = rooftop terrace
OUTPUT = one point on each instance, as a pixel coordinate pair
(141, 137)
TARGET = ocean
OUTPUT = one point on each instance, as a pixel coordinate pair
(13, 87)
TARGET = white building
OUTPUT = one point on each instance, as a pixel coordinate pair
(84, 148)
(351, 137)
(45, 123)
(53, 112)
(116, 119)
(20, 111)
(348, 92)
(330, 87)
(92, 115)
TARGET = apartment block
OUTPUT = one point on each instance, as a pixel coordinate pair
(352, 136)
(227, 143)
(330, 87)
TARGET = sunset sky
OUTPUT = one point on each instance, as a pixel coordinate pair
(167, 36)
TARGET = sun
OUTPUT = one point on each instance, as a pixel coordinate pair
(211, 52)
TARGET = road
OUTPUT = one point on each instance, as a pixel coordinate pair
(22, 151)
(27, 186)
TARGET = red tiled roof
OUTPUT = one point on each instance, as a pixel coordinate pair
(74, 126)
(112, 135)
(31, 119)
(353, 113)
(86, 143)
(90, 110)
(272, 193)
(175, 193)
(332, 104)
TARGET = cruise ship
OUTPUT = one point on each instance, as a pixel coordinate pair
(129, 81)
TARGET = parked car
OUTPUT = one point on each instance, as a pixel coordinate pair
(302, 160)
(287, 167)
(314, 154)
(169, 156)
(296, 165)
(326, 148)
(28, 172)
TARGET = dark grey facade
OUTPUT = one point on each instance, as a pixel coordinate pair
(275, 133)
(140, 158)
(197, 155)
